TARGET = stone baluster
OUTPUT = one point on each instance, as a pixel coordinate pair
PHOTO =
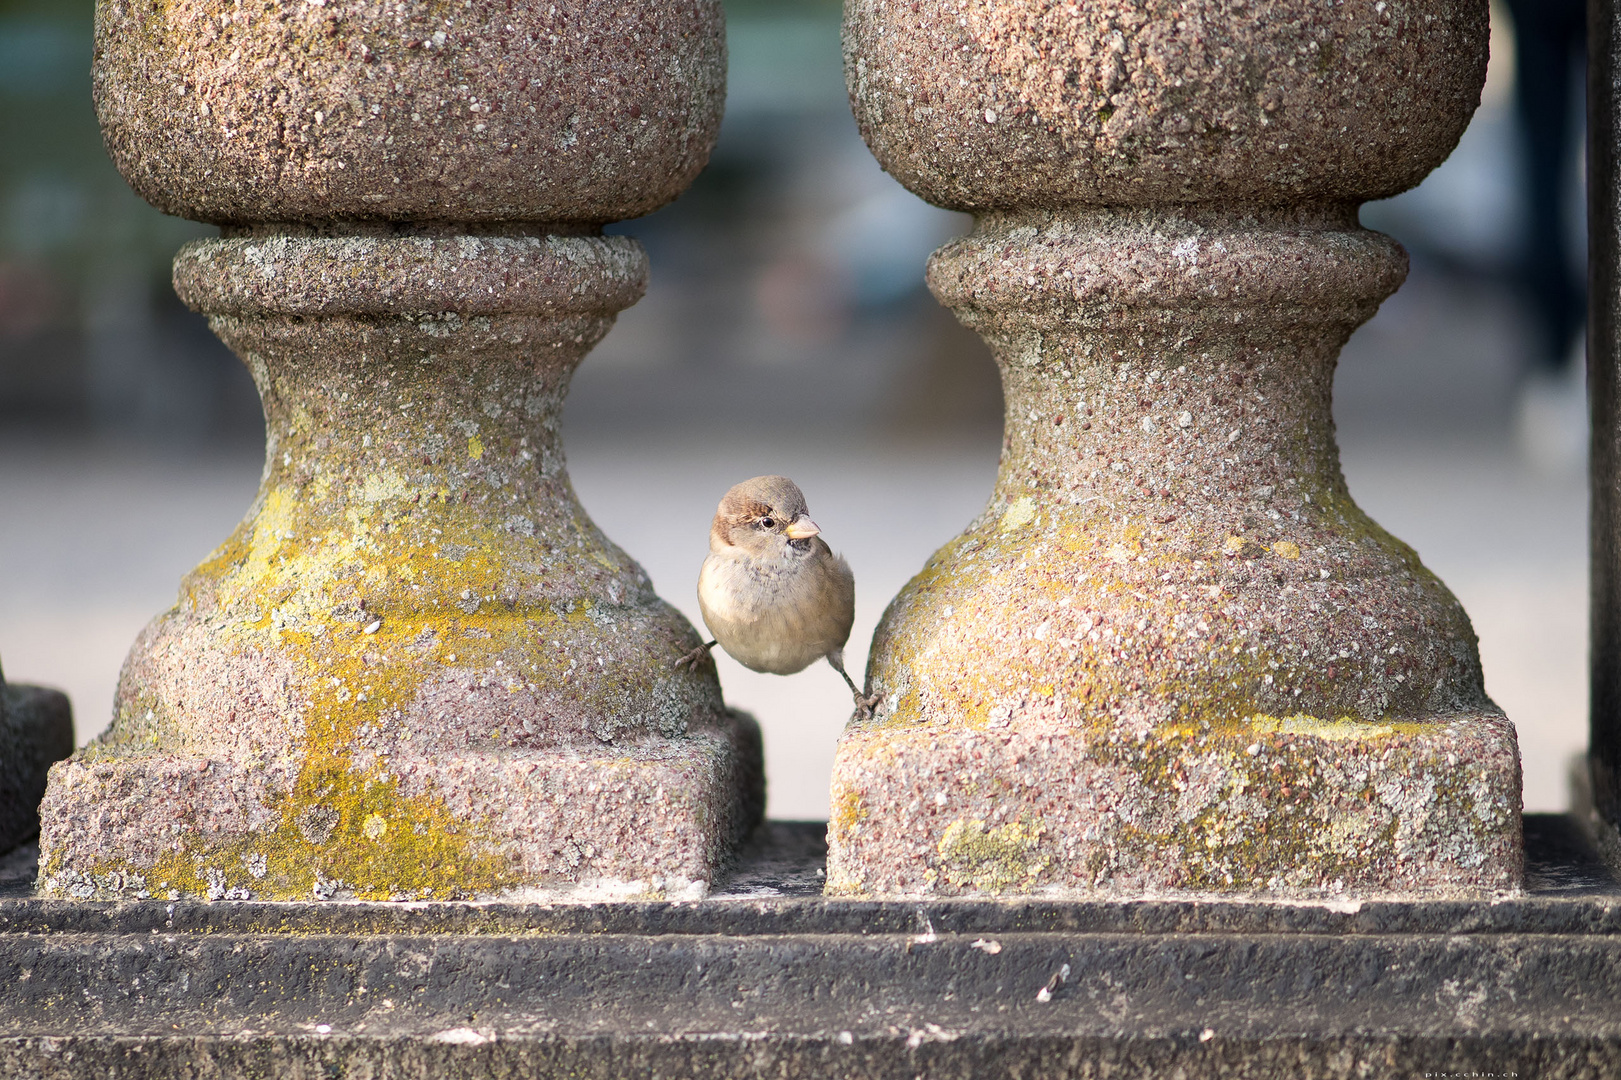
(36, 730)
(1603, 353)
(417, 669)
(1172, 653)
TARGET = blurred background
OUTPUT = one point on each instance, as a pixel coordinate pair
(787, 330)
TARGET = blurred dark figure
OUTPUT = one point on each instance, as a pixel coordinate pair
(1550, 416)
(1550, 52)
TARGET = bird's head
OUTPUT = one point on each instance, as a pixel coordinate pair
(764, 517)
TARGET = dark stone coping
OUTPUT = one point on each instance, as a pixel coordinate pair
(766, 978)
(776, 889)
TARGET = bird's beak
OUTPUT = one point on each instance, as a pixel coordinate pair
(801, 528)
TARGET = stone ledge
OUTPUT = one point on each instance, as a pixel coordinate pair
(768, 978)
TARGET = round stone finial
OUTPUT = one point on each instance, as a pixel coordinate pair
(578, 111)
(979, 105)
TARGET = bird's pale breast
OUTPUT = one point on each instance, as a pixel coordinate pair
(778, 615)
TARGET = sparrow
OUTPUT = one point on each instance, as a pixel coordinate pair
(772, 592)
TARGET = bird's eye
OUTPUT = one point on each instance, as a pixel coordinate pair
(767, 523)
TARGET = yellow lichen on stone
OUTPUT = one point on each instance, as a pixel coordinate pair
(1344, 727)
(848, 811)
(280, 583)
(994, 859)
(1020, 514)
(340, 832)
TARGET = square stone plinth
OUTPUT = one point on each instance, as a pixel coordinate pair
(652, 818)
(1288, 807)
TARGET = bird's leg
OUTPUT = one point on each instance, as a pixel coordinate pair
(864, 705)
(696, 656)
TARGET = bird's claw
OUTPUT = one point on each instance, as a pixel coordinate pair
(694, 658)
(865, 706)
